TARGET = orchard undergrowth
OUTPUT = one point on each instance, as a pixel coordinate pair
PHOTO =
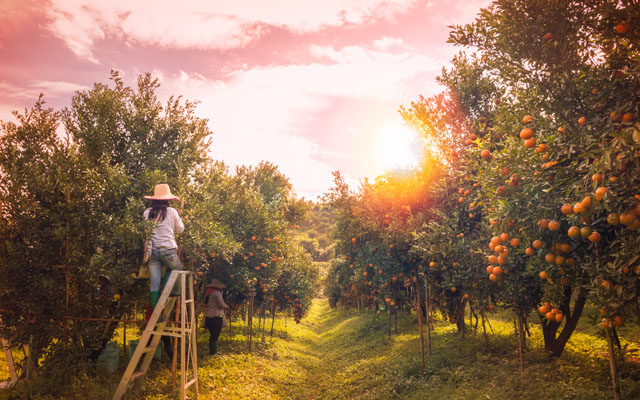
(335, 354)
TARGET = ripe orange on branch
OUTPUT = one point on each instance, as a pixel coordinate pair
(526, 133)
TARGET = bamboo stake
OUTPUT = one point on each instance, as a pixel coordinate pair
(428, 313)
(612, 364)
(250, 321)
(419, 311)
(264, 319)
(521, 342)
(273, 316)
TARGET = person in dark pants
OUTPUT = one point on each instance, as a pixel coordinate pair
(214, 312)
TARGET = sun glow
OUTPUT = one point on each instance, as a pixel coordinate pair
(399, 148)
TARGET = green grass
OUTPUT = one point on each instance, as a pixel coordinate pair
(334, 354)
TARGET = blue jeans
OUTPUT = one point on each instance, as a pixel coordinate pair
(161, 256)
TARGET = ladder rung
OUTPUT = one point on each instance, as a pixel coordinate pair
(189, 301)
(137, 375)
(191, 382)
(165, 333)
(149, 348)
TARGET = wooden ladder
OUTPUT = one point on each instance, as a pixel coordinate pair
(157, 327)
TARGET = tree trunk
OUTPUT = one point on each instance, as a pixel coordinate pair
(555, 345)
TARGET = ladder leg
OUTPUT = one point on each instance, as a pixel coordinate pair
(193, 333)
(148, 343)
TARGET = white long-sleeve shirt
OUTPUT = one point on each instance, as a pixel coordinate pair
(164, 233)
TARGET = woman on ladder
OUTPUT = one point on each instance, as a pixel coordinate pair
(164, 251)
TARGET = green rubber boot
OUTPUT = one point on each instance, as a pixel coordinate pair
(154, 297)
(176, 288)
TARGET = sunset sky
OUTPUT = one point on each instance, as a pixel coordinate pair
(312, 86)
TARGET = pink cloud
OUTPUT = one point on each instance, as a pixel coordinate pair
(210, 25)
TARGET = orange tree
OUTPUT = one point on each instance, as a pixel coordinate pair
(78, 203)
(571, 85)
(256, 207)
(446, 245)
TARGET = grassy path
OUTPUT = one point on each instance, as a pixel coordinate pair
(338, 355)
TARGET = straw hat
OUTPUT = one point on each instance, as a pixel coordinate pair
(215, 282)
(162, 192)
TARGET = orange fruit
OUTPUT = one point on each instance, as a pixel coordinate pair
(617, 320)
(582, 121)
(497, 270)
(526, 134)
(453, 288)
(628, 117)
(573, 232)
(544, 309)
(606, 323)
(527, 119)
(561, 130)
(597, 178)
(594, 237)
(502, 190)
(559, 318)
(554, 225)
(493, 277)
(504, 237)
(585, 231)
(490, 269)
(559, 260)
(564, 247)
(627, 218)
(541, 148)
(537, 244)
(579, 209)
(466, 295)
(505, 171)
(529, 251)
(550, 258)
(502, 260)
(530, 143)
(515, 242)
(353, 240)
(543, 223)
(550, 316)
(616, 116)
(493, 259)
(600, 192)
(567, 209)
(623, 27)
(486, 154)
